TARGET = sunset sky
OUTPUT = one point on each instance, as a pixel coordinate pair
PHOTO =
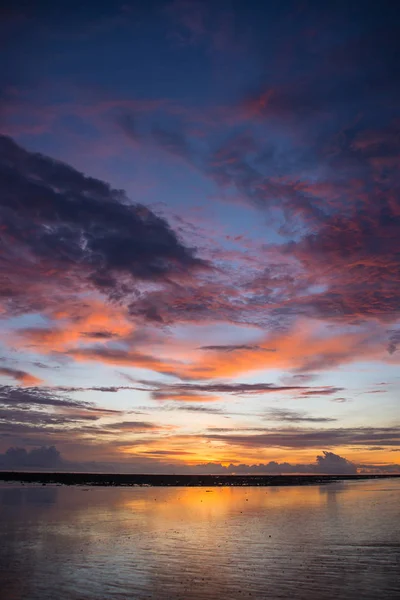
(200, 234)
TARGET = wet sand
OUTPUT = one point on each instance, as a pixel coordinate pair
(336, 541)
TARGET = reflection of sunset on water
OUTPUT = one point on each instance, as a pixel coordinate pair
(333, 541)
(195, 502)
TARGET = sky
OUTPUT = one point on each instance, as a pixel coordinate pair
(200, 236)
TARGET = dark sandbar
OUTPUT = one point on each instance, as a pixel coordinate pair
(106, 479)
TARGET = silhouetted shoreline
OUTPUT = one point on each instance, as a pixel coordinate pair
(125, 479)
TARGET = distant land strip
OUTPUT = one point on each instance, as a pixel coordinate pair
(159, 480)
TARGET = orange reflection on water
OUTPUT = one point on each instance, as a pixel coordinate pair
(196, 502)
(311, 542)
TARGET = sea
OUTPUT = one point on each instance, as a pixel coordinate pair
(336, 541)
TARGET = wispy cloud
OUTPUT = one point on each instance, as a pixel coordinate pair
(293, 416)
(308, 438)
(21, 376)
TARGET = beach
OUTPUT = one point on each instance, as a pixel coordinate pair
(338, 540)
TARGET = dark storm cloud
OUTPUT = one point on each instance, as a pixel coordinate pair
(59, 221)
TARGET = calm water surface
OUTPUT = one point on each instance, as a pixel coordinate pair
(338, 541)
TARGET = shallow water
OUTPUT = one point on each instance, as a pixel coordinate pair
(337, 541)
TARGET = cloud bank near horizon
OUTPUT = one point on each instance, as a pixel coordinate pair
(48, 458)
